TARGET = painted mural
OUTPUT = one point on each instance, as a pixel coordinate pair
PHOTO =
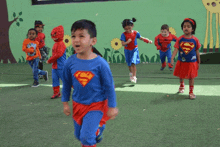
(19, 18)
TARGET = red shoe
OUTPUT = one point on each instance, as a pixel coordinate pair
(56, 95)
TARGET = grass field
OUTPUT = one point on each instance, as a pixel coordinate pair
(152, 114)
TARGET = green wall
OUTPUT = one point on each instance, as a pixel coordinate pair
(150, 15)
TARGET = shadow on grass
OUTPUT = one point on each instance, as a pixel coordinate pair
(124, 84)
(170, 98)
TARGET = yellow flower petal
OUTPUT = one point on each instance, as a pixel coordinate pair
(172, 30)
(116, 44)
(67, 40)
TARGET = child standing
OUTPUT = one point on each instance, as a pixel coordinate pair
(58, 58)
(129, 41)
(30, 47)
(93, 98)
(189, 58)
(39, 26)
(163, 43)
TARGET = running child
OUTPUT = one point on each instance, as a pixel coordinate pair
(188, 62)
(57, 59)
(39, 26)
(94, 97)
(129, 41)
(30, 47)
(163, 43)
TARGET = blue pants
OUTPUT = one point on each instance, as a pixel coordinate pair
(132, 56)
(163, 56)
(57, 74)
(86, 132)
(35, 70)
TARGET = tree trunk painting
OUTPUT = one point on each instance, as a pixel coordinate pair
(5, 50)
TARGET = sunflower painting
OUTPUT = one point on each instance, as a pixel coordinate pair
(69, 48)
(172, 30)
(115, 55)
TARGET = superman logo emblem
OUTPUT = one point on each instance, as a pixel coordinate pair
(187, 46)
(84, 77)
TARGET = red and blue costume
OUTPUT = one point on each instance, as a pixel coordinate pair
(93, 94)
(163, 44)
(131, 49)
(58, 58)
(187, 66)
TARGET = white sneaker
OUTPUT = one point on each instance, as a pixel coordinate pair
(134, 80)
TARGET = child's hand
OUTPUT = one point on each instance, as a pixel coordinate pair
(47, 62)
(150, 41)
(129, 40)
(172, 61)
(66, 110)
(112, 112)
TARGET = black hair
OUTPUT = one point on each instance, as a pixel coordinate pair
(38, 23)
(128, 22)
(32, 29)
(85, 24)
(192, 22)
(165, 27)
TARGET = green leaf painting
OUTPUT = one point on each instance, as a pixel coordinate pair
(14, 14)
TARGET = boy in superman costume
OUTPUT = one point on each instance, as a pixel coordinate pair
(163, 43)
(94, 97)
(58, 58)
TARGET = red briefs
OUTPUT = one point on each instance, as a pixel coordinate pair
(80, 110)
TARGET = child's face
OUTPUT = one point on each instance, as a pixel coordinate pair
(39, 28)
(164, 32)
(32, 35)
(81, 41)
(128, 29)
(187, 28)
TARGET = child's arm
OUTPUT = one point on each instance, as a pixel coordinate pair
(66, 90)
(198, 58)
(156, 41)
(174, 38)
(125, 43)
(108, 85)
(57, 53)
(146, 40)
(25, 49)
(174, 54)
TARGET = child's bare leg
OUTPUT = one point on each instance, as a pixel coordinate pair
(134, 70)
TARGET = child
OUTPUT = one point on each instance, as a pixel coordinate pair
(129, 41)
(189, 58)
(163, 43)
(30, 47)
(41, 39)
(94, 50)
(93, 98)
(58, 58)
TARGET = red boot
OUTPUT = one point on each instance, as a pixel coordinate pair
(170, 66)
(88, 145)
(56, 92)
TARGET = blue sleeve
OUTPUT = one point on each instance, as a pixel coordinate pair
(138, 35)
(123, 37)
(67, 82)
(108, 84)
